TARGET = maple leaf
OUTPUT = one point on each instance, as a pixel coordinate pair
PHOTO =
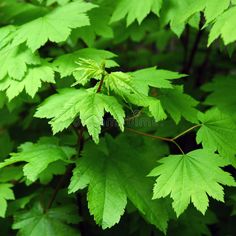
(121, 83)
(153, 77)
(135, 10)
(191, 177)
(223, 27)
(14, 61)
(31, 82)
(178, 104)
(54, 222)
(86, 104)
(47, 150)
(213, 10)
(88, 69)
(178, 12)
(217, 132)
(99, 25)
(66, 64)
(5, 194)
(220, 86)
(112, 175)
(55, 26)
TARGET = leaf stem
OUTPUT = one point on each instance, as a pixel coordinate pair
(171, 140)
(149, 135)
(156, 137)
(186, 131)
(59, 186)
(103, 77)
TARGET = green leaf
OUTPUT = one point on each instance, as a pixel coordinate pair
(178, 104)
(86, 104)
(213, 10)
(31, 82)
(55, 26)
(135, 10)
(54, 168)
(106, 195)
(66, 64)
(112, 174)
(178, 12)
(217, 132)
(220, 86)
(191, 177)
(154, 78)
(121, 83)
(54, 222)
(88, 69)
(224, 27)
(99, 25)
(5, 194)
(14, 61)
(45, 150)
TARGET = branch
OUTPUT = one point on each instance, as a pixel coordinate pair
(194, 50)
(156, 137)
(103, 77)
(171, 140)
(186, 131)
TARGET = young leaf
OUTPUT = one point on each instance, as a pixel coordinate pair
(66, 64)
(86, 104)
(121, 83)
(217, 132)
(135, 10)
(54, 222)
(114, 174)
(55, 26)
(46, 150)
(5, 194)
(191, 177)
(87, 69)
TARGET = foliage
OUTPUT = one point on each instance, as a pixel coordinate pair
(117, 117)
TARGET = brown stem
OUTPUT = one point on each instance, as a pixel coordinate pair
(103, 77)
(149, 135)
(156, 137)
(194, 50)
(171, 140)
(60, 183)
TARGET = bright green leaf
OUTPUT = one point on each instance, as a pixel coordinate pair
(86, 104)
(191, 177)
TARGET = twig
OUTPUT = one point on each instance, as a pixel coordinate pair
(58, 187)
(186, 131)
(156, 137)
(194, 50)
(171, 140)
(102, 79)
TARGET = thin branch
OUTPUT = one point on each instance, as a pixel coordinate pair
(171, 140)
(59, 186)
(103, 77)
(186, 131)
(156, 137)
(177, 145)
(194, 48)
(149, 135)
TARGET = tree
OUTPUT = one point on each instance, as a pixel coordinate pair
(117, 117)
